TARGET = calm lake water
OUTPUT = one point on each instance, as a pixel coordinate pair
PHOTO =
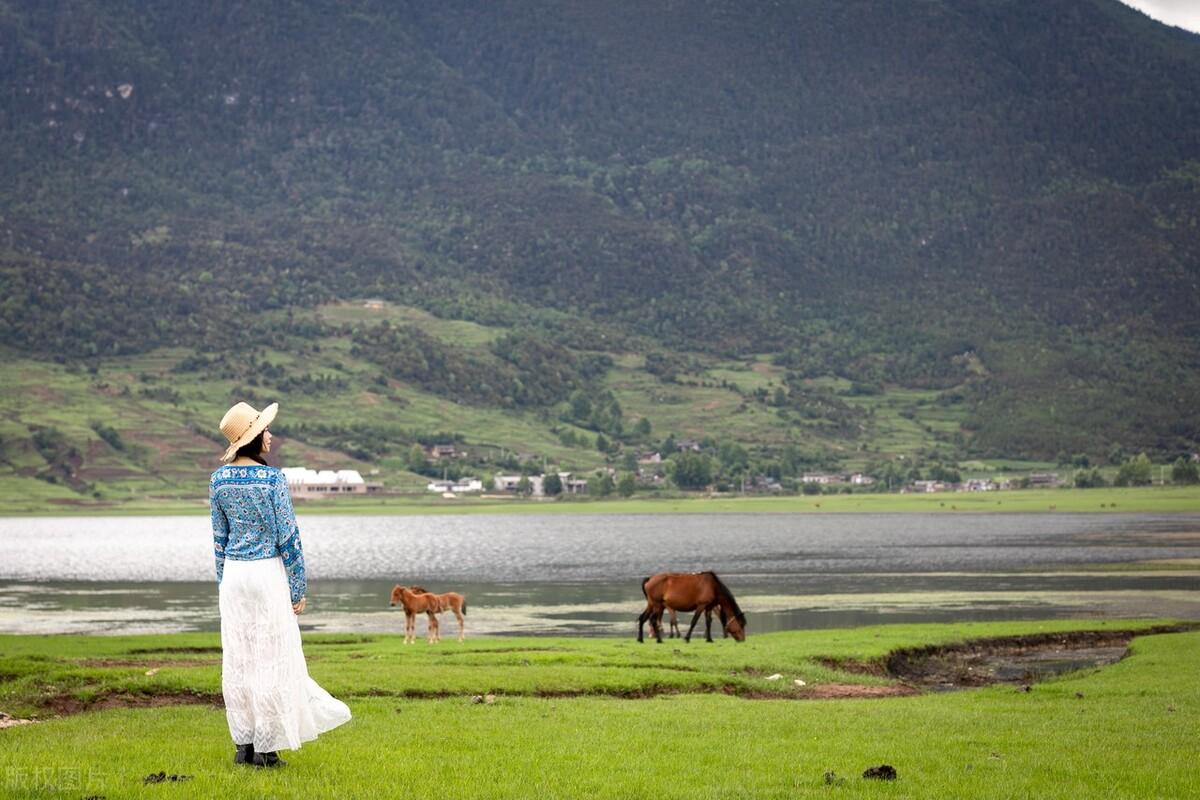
(581, 574)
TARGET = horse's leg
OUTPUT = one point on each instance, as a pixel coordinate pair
(692, 627)
(656, 624)
(674, 623)
(642, 623)
(409, 626)
(708, 624)
(461, 624)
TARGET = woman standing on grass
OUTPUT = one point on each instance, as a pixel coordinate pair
(270, 702)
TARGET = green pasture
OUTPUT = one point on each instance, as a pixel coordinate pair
(604, 718)
(1140, 500)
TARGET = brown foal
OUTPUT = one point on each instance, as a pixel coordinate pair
(448, 601)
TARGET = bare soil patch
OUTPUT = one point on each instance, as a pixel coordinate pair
(152, 650)
(148, 662)
(1009, 659)
(64, 704)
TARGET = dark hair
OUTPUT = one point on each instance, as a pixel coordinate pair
(252, 450)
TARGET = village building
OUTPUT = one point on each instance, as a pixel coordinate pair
(824, 479)
(1043, 480)
(440, 451)
(980, 485)
(460, 486)
(859, 479)
(537, 484)
(303, 482)
(688, 444)
(927, 487)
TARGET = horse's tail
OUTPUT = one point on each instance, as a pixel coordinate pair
(464, 606)
(646, 594)
(724, 593)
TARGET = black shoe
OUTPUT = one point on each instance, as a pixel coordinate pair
(268, 760)
(244, 754)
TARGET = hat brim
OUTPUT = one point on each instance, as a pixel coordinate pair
(264, 419)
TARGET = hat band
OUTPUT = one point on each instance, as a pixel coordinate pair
(249, 425)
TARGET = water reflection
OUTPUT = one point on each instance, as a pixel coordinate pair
(581, 574)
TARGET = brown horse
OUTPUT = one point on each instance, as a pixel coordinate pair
(448, 601)
(453, 601)
(416, 602)
(701, 592)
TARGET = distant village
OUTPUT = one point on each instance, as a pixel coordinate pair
(651, 473)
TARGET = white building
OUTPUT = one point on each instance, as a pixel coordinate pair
(537, 484)
(304, 482)
(459, 486)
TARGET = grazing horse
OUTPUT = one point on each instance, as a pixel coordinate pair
(416, 602)
(701, 592)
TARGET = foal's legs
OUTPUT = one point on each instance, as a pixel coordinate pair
(410, 626)
(461, 623)
(432, 635)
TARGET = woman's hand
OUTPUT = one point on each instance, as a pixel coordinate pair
(299, 607)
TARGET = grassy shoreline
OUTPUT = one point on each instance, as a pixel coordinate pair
(1152, 499)
(572, 716)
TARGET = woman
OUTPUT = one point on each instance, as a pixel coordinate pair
(270, 702)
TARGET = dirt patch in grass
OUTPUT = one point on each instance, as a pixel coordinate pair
(151, 650)
(1008, 659)
(149, 662)
(65, 704)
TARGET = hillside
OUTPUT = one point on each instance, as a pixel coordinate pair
(982, 213)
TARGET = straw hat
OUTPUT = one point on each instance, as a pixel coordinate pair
(242, 423)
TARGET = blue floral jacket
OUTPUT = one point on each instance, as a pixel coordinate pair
(252, 518)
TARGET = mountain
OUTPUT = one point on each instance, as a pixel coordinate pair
(991, 200)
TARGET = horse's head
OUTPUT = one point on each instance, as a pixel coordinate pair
(396, 592)
(736, 627)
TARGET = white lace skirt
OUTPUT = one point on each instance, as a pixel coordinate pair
(269, 699)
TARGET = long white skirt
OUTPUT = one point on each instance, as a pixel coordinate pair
(269, 699)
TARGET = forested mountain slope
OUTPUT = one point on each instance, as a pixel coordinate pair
(989, 197)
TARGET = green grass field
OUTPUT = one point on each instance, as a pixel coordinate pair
(1150, 499)
(606, 718)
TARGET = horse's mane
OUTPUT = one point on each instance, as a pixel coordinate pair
(418, 590)
(726, 595)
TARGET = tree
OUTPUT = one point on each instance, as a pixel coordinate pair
(811, 488)
(690, 470)
(642, 428)
(524, 486)
(1089, 479)
(602, 443)
(601, 486)
(1185, 472)
(1135, 471)
(627, 485)
(416, 459)
(552, 485)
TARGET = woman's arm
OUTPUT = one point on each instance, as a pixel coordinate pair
(220, 527)
(287, 537)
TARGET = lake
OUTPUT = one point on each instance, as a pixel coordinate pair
(581, 574)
